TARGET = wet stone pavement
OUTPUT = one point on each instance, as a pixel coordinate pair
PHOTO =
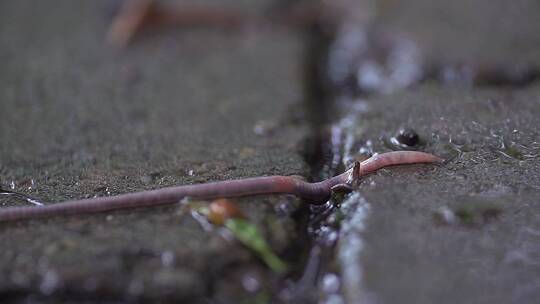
(465, 231)
(458, 78)
(81, 119)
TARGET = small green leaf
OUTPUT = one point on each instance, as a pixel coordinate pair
(250, 236)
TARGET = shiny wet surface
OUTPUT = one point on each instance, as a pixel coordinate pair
(81, 119)
(87, 121)
(462, 232)
(465, 231)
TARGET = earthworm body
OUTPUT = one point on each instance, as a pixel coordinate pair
(314, 193)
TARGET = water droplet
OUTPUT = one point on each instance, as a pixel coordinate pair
(264, 127)
(250, 283)
(330, 283)
(49, 283)
(445, 216)
(167, 258)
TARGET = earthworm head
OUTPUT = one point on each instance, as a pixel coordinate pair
(352, 178)
(354, 174)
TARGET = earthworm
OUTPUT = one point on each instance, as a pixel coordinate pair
(314, 193)
(135, 14)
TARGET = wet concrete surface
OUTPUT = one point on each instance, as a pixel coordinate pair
(477, 33)
(387, 45)
(463, 76)
(80, 119)
(190, 106)
(467, 230)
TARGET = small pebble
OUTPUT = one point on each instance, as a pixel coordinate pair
(408, 137)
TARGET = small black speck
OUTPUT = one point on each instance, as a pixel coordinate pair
(407, 136)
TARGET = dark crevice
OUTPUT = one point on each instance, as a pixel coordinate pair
(318, 106)
(321, 103)
(318, 98)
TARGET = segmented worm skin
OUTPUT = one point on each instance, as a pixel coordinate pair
(312, 192)
(396, 158)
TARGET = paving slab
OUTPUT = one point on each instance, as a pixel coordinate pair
(466, 231)
(80, 119)
(383, 46)
(480, 32)
(464, 76)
